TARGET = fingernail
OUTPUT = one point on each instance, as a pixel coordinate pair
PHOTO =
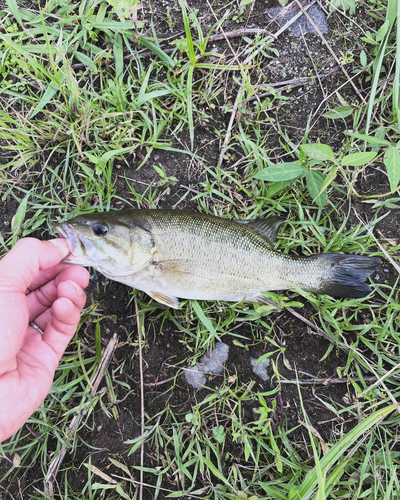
(69, 302)
(78, 289)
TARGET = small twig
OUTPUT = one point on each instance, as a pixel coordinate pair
(290, 84)
(325, 381)
(154, 384)
(380, 380)
(230, 125)
(139, 329)
(239, 32)
(79, 416)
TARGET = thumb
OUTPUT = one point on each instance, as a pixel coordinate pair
(24, 261)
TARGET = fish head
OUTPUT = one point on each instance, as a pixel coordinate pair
(113, 247)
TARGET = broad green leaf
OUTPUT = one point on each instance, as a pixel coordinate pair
(314, 182)
(189, 38)
(122, 493)
(216, 472)
(276, 187)
(358, 159)
(382, 31)
(189, 103)
(337, 113)
(87, 170)
(392, 164)
(363, 58)
(328, 179)
(246, 2)
(369, 139)
(273, 492)
(91, 157)
(318, 151)
(177, 494)
(282, 172)
(379, 57)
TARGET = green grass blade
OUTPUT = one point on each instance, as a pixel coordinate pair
(12, 5)
(390, 18)
(156, 50)
(203, 318)
(118, 56)
(46, 98)
(188, 33)
(87, 61)
(396, 85)
(189, 94)
(337, 451)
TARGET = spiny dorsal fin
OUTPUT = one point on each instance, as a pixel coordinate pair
(164, 299)
(267, 228)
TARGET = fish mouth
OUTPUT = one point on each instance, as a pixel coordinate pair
(69, 234)
(77, 248)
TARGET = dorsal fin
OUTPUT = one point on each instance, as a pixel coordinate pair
(267, 228)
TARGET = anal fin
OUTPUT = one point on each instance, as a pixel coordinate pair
(262, 300)
(164, 299)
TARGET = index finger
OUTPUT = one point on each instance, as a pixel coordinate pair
(26, 259)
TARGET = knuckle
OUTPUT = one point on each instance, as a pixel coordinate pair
(43, 296)
(31, 243)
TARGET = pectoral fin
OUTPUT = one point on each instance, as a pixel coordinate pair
(164, 299)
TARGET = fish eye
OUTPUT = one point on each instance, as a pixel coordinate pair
(99, 229)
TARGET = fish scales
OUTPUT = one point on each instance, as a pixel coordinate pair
(171, 253)
(229, 259)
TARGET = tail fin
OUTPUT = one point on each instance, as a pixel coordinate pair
(348, 274)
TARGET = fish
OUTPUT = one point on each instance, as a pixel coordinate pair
(176, 254)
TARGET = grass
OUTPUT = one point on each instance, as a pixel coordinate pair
(100, 107)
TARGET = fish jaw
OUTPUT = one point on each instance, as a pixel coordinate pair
(79, 248)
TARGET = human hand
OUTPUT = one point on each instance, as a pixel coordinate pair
(34, 287)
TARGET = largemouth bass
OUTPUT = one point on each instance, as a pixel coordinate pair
(171, 253)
